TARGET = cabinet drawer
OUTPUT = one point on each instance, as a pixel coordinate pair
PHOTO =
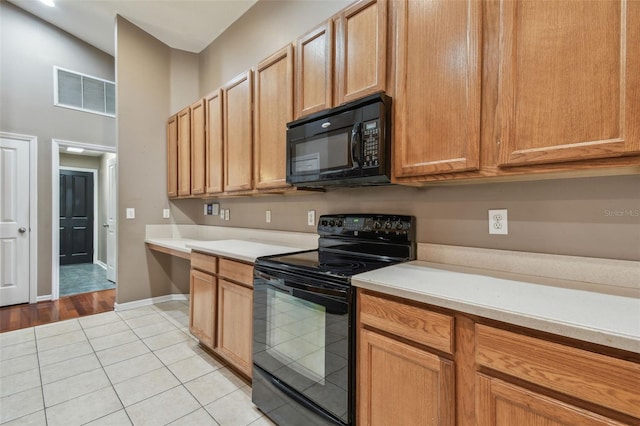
(236, 271)
(411, 322)
(592, 377)
(204, 262)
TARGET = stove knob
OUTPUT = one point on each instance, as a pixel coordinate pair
(399, 226)
(332, 222)
(377, 225)
(324, 223)
(387, 225)
(338, 223)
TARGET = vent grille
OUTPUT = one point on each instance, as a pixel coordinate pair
(83, 92)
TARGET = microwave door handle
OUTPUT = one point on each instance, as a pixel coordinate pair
(356, 145)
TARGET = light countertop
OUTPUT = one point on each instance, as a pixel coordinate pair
(245, 250)
(608, 319)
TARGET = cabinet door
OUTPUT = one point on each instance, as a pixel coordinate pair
(569, 85)
(273, 110)
(314, 70)
(399, 384)
(361, 50)
(235, 324)
(438, 76)
(503, 404)
(202, 307)
(184, 152)
(172, 156)
(214, 143)
(238, 132)
(198, 147)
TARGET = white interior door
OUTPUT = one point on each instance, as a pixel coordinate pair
(14, 222)
(111, 221)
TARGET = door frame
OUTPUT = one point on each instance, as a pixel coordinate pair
(33, 209)
(56, 144)
(96, 188)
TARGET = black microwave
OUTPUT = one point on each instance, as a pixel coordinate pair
(349, 145)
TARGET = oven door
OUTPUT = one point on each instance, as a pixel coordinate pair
(301, 350)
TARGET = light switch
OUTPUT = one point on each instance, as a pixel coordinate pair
(166, 214)
(226, 214)
(131, 213)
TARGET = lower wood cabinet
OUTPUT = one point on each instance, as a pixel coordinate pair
(423, 365)
(221, 308)
(235, 324)
(505, 404)
(400, 384)
(202, 306)
(401, 377)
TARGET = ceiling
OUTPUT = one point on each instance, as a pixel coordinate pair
(189, 25)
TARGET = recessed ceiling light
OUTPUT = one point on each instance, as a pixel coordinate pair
(49, 3)
(74, 149)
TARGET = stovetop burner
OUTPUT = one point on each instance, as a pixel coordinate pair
(350, 245)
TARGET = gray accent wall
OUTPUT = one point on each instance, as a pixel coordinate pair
(29, 48)
(143, 70)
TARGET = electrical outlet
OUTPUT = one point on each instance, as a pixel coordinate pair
(226, 214)
(222, 214)
(131, 213)
(166, 213)
(311, 217)
(267, 216)
(498, 222)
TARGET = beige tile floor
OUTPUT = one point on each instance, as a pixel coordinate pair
(134, 367)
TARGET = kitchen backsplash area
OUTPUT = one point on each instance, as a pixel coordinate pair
(591, 217)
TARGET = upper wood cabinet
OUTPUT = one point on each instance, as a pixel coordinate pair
(437, 87)
(361, 50)
(214, 143)
(238, 132)
(172, 156)
(273, 90)
(351, 65)
(198, 156)
(184, 152)
(569, 86)
(314, 70)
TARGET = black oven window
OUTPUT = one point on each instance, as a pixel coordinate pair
(303, 344)
(322, 153)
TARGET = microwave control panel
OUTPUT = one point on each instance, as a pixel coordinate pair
(371, 143)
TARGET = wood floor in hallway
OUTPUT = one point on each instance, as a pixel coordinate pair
(79, 305)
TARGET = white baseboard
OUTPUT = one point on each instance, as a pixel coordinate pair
(101, 264)
(44, 298)
(150, 301)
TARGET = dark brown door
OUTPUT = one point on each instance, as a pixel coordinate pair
(76, 217)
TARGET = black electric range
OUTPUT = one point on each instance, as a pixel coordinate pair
(304, 316)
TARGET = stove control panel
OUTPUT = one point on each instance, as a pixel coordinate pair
(374, 226)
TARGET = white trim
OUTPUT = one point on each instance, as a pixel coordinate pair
(101, 264)
(150, 301)
(55, 205)
(45, 298)
(33, 210)
(96, 188)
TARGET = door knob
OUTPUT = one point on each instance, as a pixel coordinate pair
(22, 230)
